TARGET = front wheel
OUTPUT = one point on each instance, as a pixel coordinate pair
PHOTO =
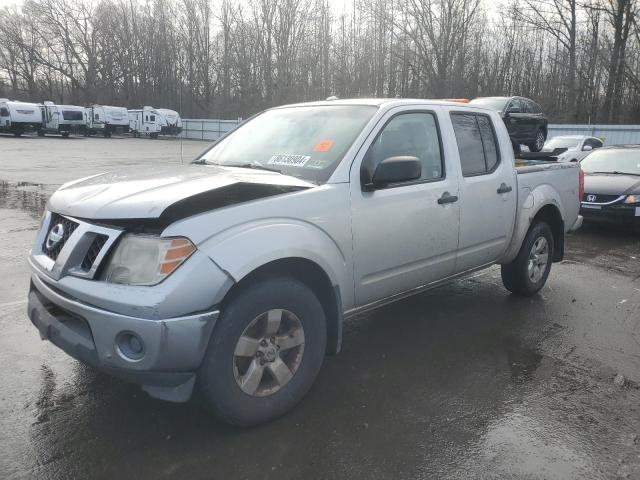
(538, 143)
(265, 352)
(528, 273)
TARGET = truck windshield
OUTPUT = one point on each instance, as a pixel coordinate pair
(71, 115)
(493, 103)
(560, 142)
(612, 161)
(305, 142)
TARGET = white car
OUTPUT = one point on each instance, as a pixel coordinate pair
(576, 146)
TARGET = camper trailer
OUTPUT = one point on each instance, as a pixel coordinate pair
(146, 121)
(173, 122)
(18, 117)
(105, 120)
(62, 119)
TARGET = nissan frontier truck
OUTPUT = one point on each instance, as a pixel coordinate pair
(234, 275)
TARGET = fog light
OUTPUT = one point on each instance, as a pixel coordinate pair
(130, 346)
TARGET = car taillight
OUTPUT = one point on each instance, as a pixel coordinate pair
(581, 185)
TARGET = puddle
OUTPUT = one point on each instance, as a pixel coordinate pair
(26, 196)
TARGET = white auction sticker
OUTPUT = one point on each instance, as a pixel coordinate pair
(637, 211)
(289, 160)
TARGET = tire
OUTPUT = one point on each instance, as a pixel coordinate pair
(519, 276)
(223, 378)
(17, 134)
(538, 142)
(154, 135)
(65, 134)
(41, 133)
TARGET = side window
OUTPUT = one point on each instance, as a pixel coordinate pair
(96, 116)
(409, 134)
(146, 118)
(477, 144)
(593, 142)
(527, 107)
(514, 106)
(4, 112)
(153, 118)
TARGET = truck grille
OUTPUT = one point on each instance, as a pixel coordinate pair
(68, 227)
(93, 252)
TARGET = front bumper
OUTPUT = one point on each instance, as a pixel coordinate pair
(616, 213)
(173, 347)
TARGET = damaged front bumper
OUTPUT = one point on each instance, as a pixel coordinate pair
(166, 355)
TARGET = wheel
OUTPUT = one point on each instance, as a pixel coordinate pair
(17, 134)
(154, 135)
(538, 143)
(528, 273)
(265, 352)
(65, 134)
(41, 133)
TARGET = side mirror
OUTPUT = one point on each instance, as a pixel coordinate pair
(394, 170)
(587, 148)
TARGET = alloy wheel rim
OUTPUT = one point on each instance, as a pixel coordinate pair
(540, 140)
(268, 353)
(538, 259)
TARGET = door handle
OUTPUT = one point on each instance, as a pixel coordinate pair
(504, 188)
(447, 198)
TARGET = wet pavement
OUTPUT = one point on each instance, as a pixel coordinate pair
(465, 381)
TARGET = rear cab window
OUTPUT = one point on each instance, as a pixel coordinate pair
(477, 143)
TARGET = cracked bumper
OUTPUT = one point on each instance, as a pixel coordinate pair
(173, 347)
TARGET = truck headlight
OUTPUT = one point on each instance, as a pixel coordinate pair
(146, 260)
(632, 199)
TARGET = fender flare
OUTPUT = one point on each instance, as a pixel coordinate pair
(244, 248)
(542, 196)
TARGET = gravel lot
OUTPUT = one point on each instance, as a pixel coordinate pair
(465, 381)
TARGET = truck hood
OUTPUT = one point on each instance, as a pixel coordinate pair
(611, 184)
(167, 194)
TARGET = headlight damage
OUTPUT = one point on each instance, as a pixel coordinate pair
(146, 260)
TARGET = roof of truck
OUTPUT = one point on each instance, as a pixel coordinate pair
(377, 102)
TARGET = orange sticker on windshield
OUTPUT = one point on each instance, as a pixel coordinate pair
(323, 146)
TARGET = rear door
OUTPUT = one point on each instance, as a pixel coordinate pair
(488, 193)
(404, 235)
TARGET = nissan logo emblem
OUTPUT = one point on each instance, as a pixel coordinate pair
(55, 236)
(591, 198)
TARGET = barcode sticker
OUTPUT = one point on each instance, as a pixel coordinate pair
(289, 160)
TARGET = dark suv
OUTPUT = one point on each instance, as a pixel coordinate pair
(525, 121)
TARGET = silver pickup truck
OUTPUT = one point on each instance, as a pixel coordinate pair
(235, 273)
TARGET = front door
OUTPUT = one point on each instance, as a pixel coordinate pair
(488, 191)
(403, 236)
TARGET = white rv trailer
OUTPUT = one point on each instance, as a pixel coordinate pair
(62, 119)
(106, 120)
(18, 117)
(173, 122)
(146, 121)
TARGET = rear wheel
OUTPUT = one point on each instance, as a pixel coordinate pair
(528, 273)
(65, 134)
(265, 352)
(538, 143)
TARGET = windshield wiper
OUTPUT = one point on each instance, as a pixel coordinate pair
(255, 166)
(616, 172)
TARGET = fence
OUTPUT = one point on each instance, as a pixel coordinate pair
(207, 129)
(212, 129)
(611, 134)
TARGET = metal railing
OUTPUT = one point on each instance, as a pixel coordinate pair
(206, 128)
(610, 134)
